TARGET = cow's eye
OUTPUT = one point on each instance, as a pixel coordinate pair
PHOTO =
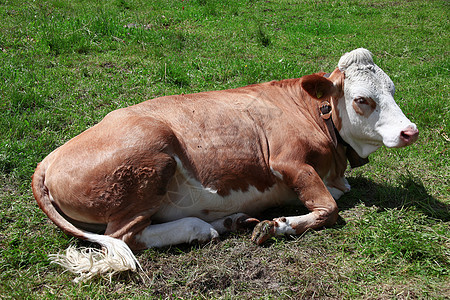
(361, 100)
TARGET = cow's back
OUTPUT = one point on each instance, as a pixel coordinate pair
(225, 138)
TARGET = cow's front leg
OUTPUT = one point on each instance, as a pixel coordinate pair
(313, 193)
(338, 187)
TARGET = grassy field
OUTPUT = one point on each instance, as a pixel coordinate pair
(66, 64)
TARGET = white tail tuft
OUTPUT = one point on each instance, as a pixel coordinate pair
(115, 257)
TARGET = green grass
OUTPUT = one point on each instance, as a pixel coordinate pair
(66, 64)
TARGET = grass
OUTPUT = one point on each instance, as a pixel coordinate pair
(66, 64)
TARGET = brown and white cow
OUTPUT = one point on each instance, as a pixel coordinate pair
(181, 168)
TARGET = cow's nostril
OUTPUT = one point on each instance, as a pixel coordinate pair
(405, 135)
(409, 135)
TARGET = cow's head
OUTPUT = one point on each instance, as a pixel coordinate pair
(364, 110)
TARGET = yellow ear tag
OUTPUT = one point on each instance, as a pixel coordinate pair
(319, 94)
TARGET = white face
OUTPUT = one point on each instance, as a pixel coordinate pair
(370, 116)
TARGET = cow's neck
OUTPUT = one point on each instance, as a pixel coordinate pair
(353, 158)
(326, 113)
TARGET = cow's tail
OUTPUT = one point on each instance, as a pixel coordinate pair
(115, 256)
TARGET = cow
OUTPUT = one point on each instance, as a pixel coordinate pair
(184, 168)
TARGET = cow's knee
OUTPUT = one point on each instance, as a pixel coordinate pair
(329, 214)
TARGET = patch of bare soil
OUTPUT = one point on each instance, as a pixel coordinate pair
(236, 267)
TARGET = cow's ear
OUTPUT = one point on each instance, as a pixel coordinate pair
(318, 87)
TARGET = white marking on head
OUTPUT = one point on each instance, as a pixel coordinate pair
(370, 116)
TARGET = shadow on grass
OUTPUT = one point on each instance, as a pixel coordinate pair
(409, 193)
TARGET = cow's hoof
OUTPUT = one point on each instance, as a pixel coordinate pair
(246, 222)
(263, 231)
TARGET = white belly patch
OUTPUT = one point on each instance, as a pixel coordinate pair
(186, 197)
